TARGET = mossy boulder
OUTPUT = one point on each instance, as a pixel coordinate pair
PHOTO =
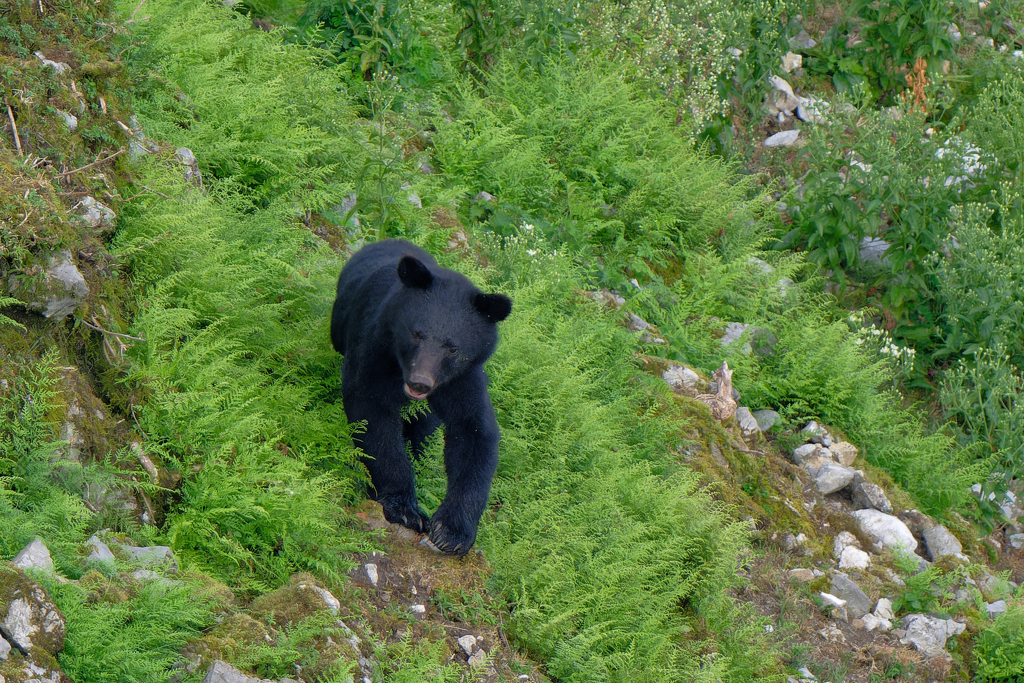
(28, 618)
(230, 639)
(50, 284)
(302, 597)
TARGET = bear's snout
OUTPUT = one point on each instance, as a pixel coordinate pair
(419, 386)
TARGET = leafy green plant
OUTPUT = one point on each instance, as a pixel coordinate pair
(4, 320)
(891, 36)
(999, 648)
(373, 37)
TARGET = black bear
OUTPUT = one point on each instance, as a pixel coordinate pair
(412, 330)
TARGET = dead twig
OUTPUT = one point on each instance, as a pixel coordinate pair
(97, 328)
(93, 164)
(161, 194)
(136, 10)
(14, 127)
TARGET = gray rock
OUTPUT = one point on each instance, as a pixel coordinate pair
(872, 250)
(802, 453)
(939, 542)
(803, 41)
(929, 634)
(483, 196)
(468, 644)
(831, 600)
(994, 588)
(151, 556)
(766, 419)
(347, 211)
(1016, 541)
(857, 602)
(59, 291)
(100, 551)
(885, 531)
(222, 672)
(34, 556)
(59, 67)
(868, 496)
(427, 169)
(680, 377)
(747, 422)
(93, 214)
(191, 164)
(5, 649)
(854, 558)
(832, 477)
(996, 608)
(371, 573)
(811, 110)
(822, 439)
(786, 138)
(478, 658)
(802, 575)
(733, 333)
(843, 540)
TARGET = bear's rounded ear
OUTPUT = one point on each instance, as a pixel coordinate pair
(413, 273)
(494, 307)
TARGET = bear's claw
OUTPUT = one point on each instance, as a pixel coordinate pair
(448, 542)
(407, 516)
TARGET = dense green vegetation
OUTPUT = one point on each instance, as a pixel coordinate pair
(608, 139)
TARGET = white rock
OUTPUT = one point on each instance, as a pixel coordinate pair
(883, 609)
(5, 649)
(468, 644)
(781, 85)
(93, 214)
(59, 67)
(842, 540)
(330, 601)
(831, 600)
(791, 61)
(833, 477)
(149, 556)
(70, 120)
(786, 138)
(418, 609)
(478, 658)
(1016, 540)
(371, 573)
(188, 159)
(854, 558)
(34, 556)
(886, 531)
(747, 422)
(929, 634)
(811, 110)
(868, 496)
(876, 623)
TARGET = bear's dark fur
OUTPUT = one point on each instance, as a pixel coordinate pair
(410, 329)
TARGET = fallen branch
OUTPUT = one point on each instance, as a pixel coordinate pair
(97, 328)
(95, 163)
(14, 127)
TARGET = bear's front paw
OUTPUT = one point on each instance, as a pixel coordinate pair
(449, 540)
(409, 516)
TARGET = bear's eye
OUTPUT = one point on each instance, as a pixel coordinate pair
(452, 350)
(417, 336)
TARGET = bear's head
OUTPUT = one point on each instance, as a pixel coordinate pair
(444, 326)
